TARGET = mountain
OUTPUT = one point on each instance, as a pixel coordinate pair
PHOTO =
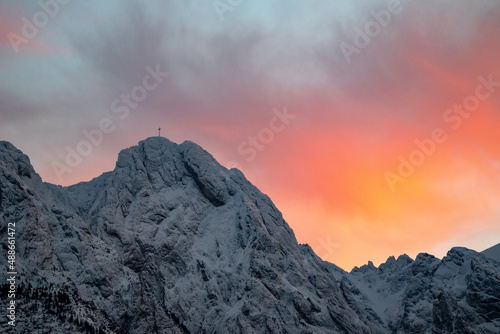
(458, 294)
(493, 252)
(172, 242)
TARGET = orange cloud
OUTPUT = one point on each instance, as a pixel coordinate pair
(332, 176)
(326, 170)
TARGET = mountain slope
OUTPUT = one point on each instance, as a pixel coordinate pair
(169, 242)
(493, 252)
(172, 242)
(458, 294)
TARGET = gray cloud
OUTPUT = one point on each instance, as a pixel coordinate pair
(233, 72)
(120, 48)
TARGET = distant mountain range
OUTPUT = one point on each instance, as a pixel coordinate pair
(170, 241)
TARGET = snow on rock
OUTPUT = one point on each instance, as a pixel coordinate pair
(458, 294)
(170, 241)
(493, 252)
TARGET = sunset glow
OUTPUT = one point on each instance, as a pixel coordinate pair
(350, 123)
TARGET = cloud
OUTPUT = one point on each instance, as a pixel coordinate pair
(119, 50)
(354, 120)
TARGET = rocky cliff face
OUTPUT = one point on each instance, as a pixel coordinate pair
(458, 294)
(172, 242)
(169, 242)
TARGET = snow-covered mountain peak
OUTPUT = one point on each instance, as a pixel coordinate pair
(392, 264)
(153, 148)
(459, 255)
(157, 163)
(170, 241)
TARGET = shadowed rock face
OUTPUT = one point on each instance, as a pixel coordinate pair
(172, 242)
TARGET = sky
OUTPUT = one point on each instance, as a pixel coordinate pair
(372, 125)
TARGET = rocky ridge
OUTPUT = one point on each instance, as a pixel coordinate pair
(172, 242)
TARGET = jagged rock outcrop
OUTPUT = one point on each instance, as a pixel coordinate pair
(458, 294)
